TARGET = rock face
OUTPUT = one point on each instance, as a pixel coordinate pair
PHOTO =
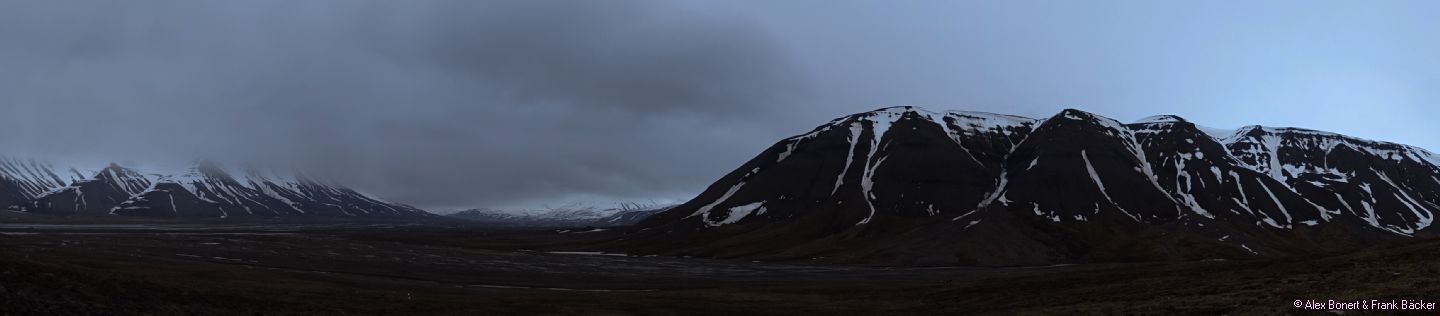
(904, 185)
(1389, 186)
(203, 190)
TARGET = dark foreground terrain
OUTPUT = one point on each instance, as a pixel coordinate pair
(366, 268)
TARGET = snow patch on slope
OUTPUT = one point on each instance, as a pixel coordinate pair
(737, 213)
(1095, 177)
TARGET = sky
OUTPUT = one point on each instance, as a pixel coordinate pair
(504, 104)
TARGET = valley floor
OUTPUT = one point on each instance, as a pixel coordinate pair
(438, 269)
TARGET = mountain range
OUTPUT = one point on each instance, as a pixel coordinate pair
(204, 189)
(571, 216)
(904, 185)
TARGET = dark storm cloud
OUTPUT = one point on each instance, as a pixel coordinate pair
(1359, 68)
(526, 103)
(437, 103)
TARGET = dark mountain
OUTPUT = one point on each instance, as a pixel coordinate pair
(909, 186)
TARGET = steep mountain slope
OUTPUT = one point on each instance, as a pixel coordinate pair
(1252, 210)
(1202, 176)
(1073, 145)
(906, 185)
(25, 179)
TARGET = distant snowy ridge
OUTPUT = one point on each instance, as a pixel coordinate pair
(204, 189)
(573, 215)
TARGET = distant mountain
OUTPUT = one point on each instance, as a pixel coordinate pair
(204, 189)
(629, 217)
(95, 195)
(574, 216)
(903, 185)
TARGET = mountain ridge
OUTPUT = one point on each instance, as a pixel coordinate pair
(1067, 188)
(204, 189)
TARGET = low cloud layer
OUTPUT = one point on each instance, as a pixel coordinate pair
(444, 104)
(457, 104)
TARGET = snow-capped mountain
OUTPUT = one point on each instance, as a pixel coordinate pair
(914, 186)
(94, 195)
(574, 216)
(559, 218)
(208, 190)
(629, 217)
(204, 189)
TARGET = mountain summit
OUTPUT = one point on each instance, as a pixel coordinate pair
(910, 186)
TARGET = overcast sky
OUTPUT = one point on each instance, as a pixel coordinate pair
(525, 104)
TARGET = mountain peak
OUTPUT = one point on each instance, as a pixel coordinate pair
(1162, 119)
(1252, 131)
(899, 108)
(1111, 126)
(1074, 113)
(1079, 115)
